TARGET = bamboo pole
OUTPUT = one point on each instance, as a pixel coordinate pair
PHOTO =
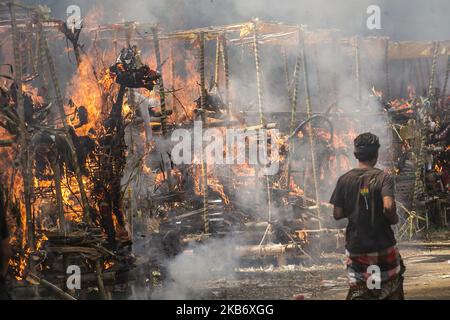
(62, 115)
(258, 73)
(293, 100)
(431, 91)
(59, 198)
(162, 96)
(101, 284)
(226, 70)
(217, 63)
(226, 73)
(133, 208)
(447, 73)
(204, 168)
(262, 120)
(428, 62)
(50, 286)
(310, 135)
(36, 54)
(23, 52)
(131, 96)
(24, 138)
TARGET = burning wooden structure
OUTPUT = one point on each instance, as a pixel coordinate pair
(90, 177)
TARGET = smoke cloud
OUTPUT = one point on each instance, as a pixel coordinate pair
(191, 270)
(401, 19)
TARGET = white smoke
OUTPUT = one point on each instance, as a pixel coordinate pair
(190, 271)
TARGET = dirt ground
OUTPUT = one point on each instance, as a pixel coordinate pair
(427, 277)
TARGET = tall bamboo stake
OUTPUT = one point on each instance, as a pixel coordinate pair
(226, 70)
(310, 135)
(293, 100)
(62, 115)
(36, 54)
(23, 52)
(258, 73)
(101, 284)
(162, 96)
(131, 96)
(261, 114)
(133, 209)
(217, 65)
(59, 198)
(431, 92)
(23, 136)
(419, 187)
(428, 62)
(204, 120)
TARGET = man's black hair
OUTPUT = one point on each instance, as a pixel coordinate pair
(366, 146)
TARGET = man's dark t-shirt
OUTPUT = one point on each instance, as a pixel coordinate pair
(360, 193)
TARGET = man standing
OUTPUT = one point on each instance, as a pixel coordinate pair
(365, 196)
(5, 250)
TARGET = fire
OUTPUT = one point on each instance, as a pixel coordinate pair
(185, 83)
(33, 93)
(160, 178)
(107, 80)
(108, 265)
(294, 189)
(302, 235)
(85, 90)
(215, 185)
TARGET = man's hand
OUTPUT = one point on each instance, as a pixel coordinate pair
(390, 210)
(338, 213)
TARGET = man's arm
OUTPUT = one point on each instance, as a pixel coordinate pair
(338, 213)
(338, 201)
(388, 194)
(390, 209)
